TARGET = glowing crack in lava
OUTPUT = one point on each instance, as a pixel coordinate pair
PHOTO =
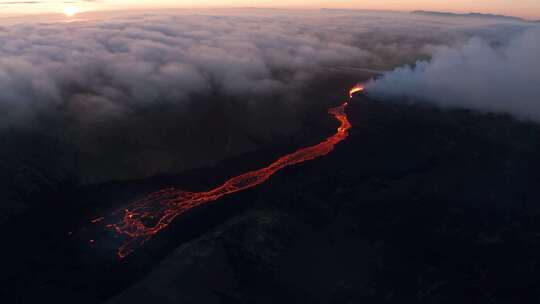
(144, 218)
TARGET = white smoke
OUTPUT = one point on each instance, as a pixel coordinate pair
(501, 77)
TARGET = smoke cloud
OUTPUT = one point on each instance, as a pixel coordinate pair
(493, 77)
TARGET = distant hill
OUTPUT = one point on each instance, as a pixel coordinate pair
(470, 15)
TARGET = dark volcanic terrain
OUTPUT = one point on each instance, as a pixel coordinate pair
(418, 205)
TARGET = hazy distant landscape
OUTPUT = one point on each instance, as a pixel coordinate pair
(469, 15)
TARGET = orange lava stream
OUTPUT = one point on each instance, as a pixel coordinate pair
(146, 217)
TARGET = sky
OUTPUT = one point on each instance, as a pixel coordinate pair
(522, 8)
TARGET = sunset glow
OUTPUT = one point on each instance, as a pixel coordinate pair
(70, 11)
(522, 8)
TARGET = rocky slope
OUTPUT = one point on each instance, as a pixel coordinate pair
(419, 205)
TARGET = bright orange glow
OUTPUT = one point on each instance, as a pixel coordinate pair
(144, 218)
(356, 89)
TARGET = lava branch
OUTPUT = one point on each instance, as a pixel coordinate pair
(146, 217)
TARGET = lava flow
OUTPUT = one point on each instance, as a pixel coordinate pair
(144, 218)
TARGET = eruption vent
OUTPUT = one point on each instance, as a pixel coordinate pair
(356, 89)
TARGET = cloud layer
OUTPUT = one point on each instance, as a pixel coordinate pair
(147, 93)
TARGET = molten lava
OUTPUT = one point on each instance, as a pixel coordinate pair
(356, 89)
(144, 218)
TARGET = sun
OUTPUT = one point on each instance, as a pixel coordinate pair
(70, 11)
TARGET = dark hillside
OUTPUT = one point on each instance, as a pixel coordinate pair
(419, 205)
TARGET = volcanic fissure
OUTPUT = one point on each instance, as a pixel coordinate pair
(141, 220)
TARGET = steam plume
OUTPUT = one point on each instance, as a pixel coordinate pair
(503, 77)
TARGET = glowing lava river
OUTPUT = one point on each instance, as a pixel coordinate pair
(144, 218)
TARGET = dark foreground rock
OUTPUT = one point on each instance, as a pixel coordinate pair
(419, 205)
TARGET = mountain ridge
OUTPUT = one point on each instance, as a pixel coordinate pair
(471, 15)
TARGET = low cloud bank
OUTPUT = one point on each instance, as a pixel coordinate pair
(501, 77)
(136, 95)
